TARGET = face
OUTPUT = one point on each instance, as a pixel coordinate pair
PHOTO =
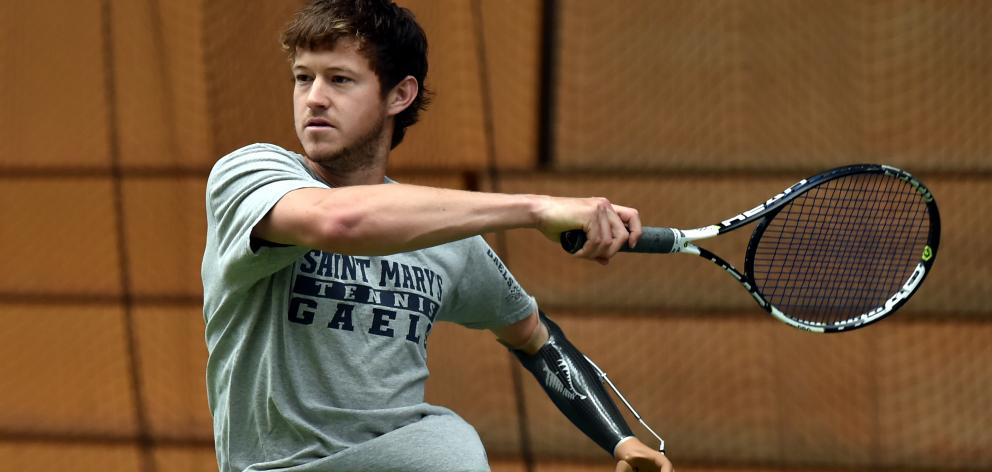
(338, 107)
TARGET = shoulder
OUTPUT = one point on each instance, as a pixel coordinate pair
(254, 158)
(259, 153)
(262, 149)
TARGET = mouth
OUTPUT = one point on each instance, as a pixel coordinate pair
(317, 123)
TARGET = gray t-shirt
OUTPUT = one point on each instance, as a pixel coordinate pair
(313, 353)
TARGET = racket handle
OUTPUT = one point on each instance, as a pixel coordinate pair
(653, 240)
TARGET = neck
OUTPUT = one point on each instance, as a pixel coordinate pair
(366, 175)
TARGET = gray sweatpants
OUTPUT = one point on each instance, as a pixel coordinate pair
(435, 443)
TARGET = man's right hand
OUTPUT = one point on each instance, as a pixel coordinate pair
(607, 226)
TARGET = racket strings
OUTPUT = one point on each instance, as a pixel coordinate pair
(859, 272)
(841, 249)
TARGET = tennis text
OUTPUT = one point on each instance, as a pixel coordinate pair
(376, 296)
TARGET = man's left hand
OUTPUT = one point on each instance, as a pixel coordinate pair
(635, 456)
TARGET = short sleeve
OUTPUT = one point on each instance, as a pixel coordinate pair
(243, 186)
(487, 295)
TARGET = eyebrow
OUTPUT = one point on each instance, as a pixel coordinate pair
(326, 69)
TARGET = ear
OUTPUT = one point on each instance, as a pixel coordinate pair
(402, 95)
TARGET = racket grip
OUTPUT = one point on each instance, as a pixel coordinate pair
(653, 240)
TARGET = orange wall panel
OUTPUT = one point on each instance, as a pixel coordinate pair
(52, 76)
(927, 83)
(45, 456)
(160, 84)
(172, 370)
(62, 236)
(65, 370)
(166, 233)
(186, 459)
(248, 82)
(934, 405)
(726, 85)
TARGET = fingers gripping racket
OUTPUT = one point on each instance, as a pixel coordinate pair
(831, 253)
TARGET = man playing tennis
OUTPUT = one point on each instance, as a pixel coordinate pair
(322, 278)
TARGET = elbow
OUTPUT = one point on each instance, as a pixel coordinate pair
(349, 232)
(336, 230)
(526, 335)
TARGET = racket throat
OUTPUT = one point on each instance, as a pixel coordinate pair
(684, 239)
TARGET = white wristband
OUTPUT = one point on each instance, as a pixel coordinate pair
(619, 443)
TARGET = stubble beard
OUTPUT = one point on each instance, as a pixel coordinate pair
(359, 155)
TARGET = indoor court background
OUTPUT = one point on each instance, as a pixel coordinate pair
(113, 112)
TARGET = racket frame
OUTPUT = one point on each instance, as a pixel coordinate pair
(765, 212)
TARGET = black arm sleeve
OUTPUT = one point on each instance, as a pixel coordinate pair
(575, 389)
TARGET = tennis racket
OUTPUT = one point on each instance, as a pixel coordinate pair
(833, 252)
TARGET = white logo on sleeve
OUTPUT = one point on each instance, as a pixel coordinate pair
(560, 380)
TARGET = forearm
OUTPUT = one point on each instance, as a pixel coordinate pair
(385, 219)
(574, 387)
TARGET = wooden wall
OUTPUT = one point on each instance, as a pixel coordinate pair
(113, 112)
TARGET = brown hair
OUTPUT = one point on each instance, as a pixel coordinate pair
(387, 34)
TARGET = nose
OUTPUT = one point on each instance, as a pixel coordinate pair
(317, 97)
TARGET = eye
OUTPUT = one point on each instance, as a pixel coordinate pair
(302, 78)
(340, 79)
